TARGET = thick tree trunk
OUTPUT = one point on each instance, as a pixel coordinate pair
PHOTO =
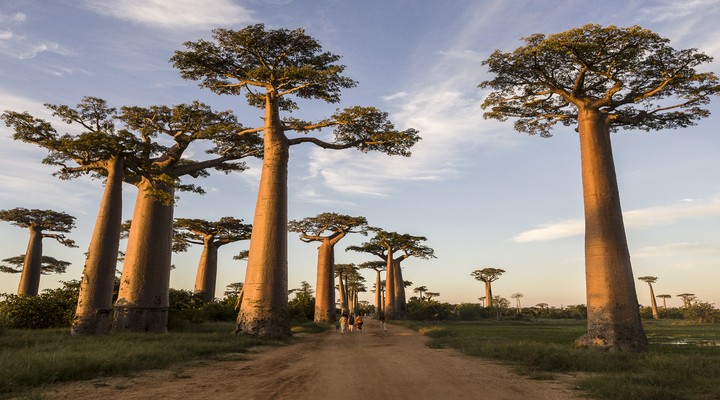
(142, 304)
(378, 295)
(654, 303)
(400, 302)
(325, 287)
(343, 295)
(488, 294)
(32, 267)
(612, 306)
(390, 301)
(264, 310)
(92, 315)
(207, 270)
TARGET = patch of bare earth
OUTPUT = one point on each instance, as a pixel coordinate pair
(371, 365)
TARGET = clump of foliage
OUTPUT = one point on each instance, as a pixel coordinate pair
(302, 307)
(53, 308)
(428, 310)
(188, 307)
(702, 312)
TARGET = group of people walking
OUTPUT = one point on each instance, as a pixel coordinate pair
(349, 322)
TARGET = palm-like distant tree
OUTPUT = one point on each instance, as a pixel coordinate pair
(420, 290)
(687, 299)
(488, 275)
(517, 296)
(664, 297)
(650, 280)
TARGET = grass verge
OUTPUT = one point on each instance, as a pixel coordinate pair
(682, 362)
(32, 358)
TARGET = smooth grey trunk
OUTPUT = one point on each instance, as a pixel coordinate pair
(264, 310)
(343, 294)
(390, 301)
(655, 313)
(400, 302)
(206, 277)
(32, 267)
(92, 315)
(143, 300)
(325, 287)
(612, 306)
(488, 294)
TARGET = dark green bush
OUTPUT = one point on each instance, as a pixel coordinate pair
(428, 310)
(53, 308)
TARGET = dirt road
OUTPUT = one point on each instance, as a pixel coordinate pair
(372, 365)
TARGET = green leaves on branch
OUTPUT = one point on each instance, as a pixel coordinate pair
(46, 221)
(631, 75)
(227, 230)
(50, 265)
(313, 228)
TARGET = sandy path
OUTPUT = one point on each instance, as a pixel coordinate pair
(372, 365)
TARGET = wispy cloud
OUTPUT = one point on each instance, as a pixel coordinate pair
(20, 46)
(633, 219)
(12, 18)
(673, 249)
(185, 14)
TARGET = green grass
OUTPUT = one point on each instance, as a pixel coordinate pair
(32, 358)
(666, 371)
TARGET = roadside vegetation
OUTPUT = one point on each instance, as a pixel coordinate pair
(682, 360)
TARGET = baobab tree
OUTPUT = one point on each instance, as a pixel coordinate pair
(664, 297)
(342, 271)
(104, 153)
(143, 297)
(517, 296)
(385, 245)
(687, 299)
(273, 68)
(488, 276)
(41, 224)
(212, 236)
(377, 266)
(431, 295)
(328, 229)
(420, 290)
(49, 265)
(601, 79)
(650, 280)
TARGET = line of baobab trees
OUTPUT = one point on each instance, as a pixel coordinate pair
(595, 78)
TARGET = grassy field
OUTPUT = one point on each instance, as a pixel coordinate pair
(32, 358)
(683, 360)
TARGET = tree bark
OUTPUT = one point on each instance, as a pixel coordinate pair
(325, 287)
(343, 295)
(264, 310)
(92, 315)
(378, 294)
(612, 306)
(400, 302)
(206, 277)
(390, 301)
(654, 303)
(143, 301)
(488, 294)
(32, 267)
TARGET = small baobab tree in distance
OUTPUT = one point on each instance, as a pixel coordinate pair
(517, 296)
(431, 295)
(328, 229)
(650, 280)
(664, 298)
(687, 299)
(379, 286)
(488, 275)
(420, 290)
(212, 236)
(41, 224)
(274, 68)
(342, 271)
(50, 265)
(601, 79)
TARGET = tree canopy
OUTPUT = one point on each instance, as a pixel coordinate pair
(50, 265)
(631, 75)
(52, 223)
(194, 231)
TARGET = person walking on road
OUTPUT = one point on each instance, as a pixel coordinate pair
(351, 322)
(343, 323)
(382, 323)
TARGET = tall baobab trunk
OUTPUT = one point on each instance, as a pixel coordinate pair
(400, 302)
(654, 303)
(143, 301)
(325, 287)
(207, 270)
(92, 315)
(343, 294)
(264, 310)
(390, 302)
(613, 315)
(378, 294)
(32, 267)
(488, 293)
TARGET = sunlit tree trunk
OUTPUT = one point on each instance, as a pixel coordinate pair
(488, 293)
(343, 294)
(92, 315)
(32, 267)
(400, 303)
(325, 287)
(654, 303)
(264, 310)
(207, 270)
(613, 315)
(378, 294)
(390, 301)
(143, 300)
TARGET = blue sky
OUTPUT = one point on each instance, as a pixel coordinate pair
(483, 194)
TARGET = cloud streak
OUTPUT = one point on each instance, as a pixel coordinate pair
(185, 14)
(633, 219)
